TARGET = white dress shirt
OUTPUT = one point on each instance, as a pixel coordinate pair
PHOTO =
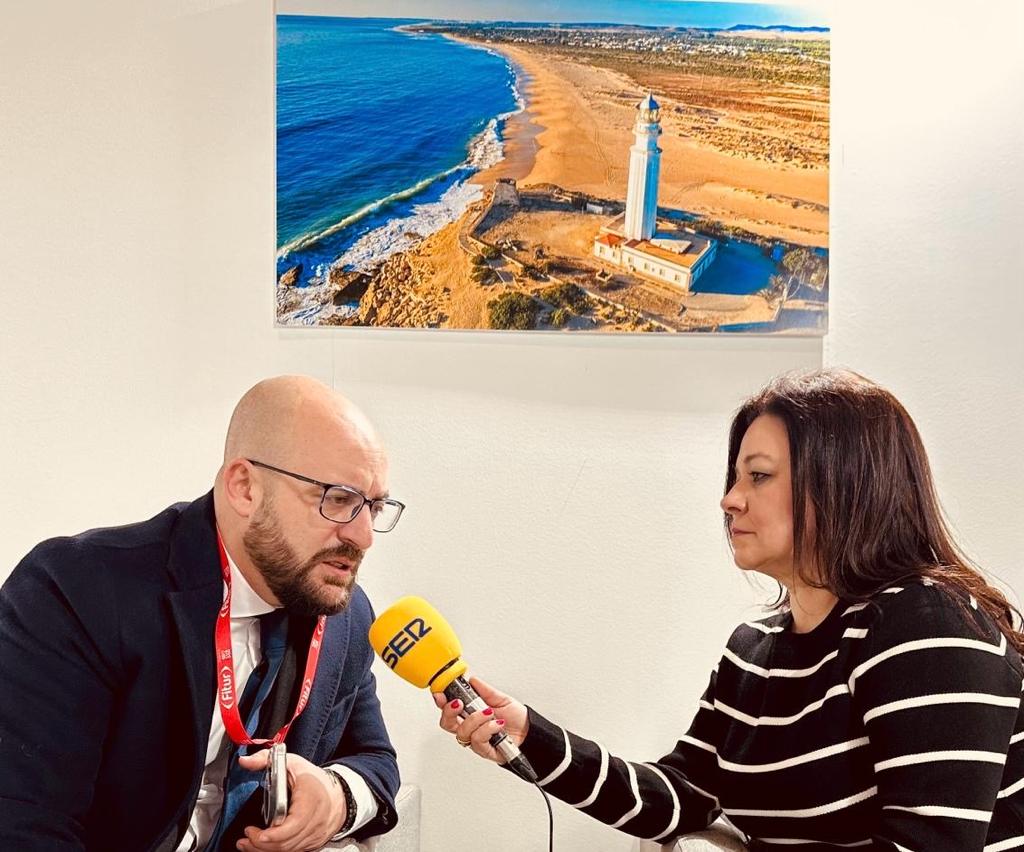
(246, 608)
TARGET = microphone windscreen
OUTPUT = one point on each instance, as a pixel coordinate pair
(414, 640)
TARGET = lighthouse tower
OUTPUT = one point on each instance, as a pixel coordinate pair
(644, 162)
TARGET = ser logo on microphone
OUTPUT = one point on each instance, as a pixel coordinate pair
(404, 641)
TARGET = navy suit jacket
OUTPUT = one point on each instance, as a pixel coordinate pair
(107, 689)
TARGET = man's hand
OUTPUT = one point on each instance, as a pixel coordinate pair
(316, 809)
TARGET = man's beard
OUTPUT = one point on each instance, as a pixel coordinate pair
(289, 578)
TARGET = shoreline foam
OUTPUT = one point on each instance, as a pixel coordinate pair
(484, 153)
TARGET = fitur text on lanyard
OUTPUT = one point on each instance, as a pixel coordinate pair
(227, 696)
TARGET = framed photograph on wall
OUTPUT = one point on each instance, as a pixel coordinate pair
(664, 169)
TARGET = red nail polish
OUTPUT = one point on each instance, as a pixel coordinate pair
(456, 704)
(488, 711)
(500, 721)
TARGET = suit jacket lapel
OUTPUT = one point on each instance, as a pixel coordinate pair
(195, 568)
(308, 728)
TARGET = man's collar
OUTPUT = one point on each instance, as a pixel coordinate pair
(245, 603)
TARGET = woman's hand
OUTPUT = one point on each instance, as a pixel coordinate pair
(502, 714)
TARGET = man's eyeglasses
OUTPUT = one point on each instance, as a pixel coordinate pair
(341, 503)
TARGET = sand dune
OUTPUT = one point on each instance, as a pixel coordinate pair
(744, 155)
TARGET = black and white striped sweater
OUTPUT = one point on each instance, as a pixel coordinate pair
(891, 726)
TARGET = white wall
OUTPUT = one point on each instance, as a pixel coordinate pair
(928, 244)
(563, 491)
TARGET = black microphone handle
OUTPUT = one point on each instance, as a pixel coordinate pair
(501, 742)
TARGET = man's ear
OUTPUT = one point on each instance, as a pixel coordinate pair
(241, 489)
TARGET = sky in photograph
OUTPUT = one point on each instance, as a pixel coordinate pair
(644, 12)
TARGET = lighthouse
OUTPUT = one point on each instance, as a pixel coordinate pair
(669, 251)
(644, 163)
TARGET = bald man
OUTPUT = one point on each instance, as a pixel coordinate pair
(137, 663)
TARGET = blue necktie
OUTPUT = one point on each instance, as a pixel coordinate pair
(239, 783)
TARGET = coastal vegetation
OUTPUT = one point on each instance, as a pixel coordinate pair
(560, 317)
(566, 296)
(513, 311)
(480, 272)
(482, 275)
(568, 300)
(723, 231)
(807, 267)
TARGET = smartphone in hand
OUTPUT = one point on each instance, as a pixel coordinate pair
(275, 786)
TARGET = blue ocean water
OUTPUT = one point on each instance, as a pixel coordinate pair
(377, 131)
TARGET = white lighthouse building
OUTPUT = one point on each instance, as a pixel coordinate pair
(667, 251)
(644, 164)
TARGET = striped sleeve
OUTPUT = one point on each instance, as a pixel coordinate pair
(939, 701)
(656, 801)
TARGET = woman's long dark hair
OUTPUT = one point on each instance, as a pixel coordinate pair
(859, 465)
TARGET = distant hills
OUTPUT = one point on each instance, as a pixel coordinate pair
(599, 25)
(776, 28)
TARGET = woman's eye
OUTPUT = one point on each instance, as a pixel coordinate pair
(757, 477)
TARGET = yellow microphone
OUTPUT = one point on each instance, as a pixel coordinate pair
(417, 644)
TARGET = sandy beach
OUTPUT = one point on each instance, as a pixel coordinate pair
(519, 136)
(577, 131)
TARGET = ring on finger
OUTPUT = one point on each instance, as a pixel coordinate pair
(461, 742)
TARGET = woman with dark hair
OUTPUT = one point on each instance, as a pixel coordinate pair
(879, 707)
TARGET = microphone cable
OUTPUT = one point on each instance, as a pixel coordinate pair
(551, 817)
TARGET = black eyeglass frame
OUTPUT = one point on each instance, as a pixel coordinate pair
(327, 486)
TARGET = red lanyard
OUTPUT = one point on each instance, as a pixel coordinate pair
(226, 695)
